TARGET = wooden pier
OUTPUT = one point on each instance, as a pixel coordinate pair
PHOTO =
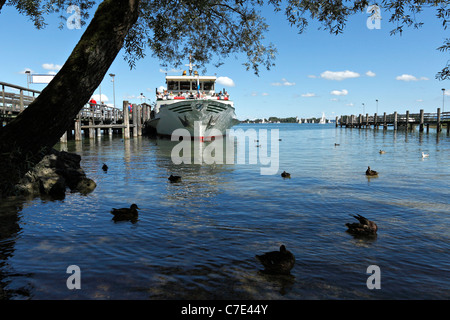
(92, 119)
(405, 121)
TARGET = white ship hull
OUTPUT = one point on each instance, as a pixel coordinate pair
(198, 116)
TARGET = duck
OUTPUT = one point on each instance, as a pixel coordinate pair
(285, 174)
(105, 167)
(365, 227)
(370, 172)
(277, 262)
(425, 155)
(336, 144)
(173, 178)
(121, 214)
(382, 151)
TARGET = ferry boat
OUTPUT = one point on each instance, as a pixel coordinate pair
(191, 102)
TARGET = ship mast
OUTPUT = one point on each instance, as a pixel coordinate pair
(190, 65)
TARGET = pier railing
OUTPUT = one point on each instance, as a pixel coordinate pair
(406, 120)
(92, 118)
(14, 99)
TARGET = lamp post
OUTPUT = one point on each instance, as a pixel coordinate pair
(28, 73)
(364, 109)
(443, 95)
(112, 75)
(377, 105)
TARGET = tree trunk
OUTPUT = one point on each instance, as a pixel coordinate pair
(40, 126)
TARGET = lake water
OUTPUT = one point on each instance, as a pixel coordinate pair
(197, 239)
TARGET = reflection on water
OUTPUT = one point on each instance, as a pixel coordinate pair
(197, 239)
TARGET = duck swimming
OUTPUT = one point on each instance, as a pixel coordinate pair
(122, 214)
(382, 151)
(424, 155)
(284, 174)
(105, 167)
(365, 227)
(370, 172)
(277, 262)
(174, 178)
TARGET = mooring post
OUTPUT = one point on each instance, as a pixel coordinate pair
(421, 121)
(63, 138)
(438, 124)
(78, 127)
(134, 114)
(341, 118)
(126, 121)
(384, 121)
(407, 119)
(139, 122)
(395, 120)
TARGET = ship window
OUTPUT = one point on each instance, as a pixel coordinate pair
(185, 85)
(208, 85)
(172, 85)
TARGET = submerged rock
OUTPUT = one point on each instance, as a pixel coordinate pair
(55, 173)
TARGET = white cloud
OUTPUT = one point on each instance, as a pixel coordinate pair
(339, 93)
(408, 77)
(334, 99)
(225, 81)
(308, 95)
(283, 82)
(312, 76)
(447, 92)
(97, 98)
(51, 66)
(264, 94)
(370, 74)
(173, 70)
(339, 75)
(350, 104)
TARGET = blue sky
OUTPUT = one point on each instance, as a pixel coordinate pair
(314, 71)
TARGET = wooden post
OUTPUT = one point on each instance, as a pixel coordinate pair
(21, 100)
(63, 138)
(134, 115)
(421, 121)
(78, 127)
(139, 121)
(384, 121)
(438, 124)
(352, 120)
(337, 121)
(367, 120)
(3, 97)
(395, 120)
(375, 125)
(126, 121)
(407, 120)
